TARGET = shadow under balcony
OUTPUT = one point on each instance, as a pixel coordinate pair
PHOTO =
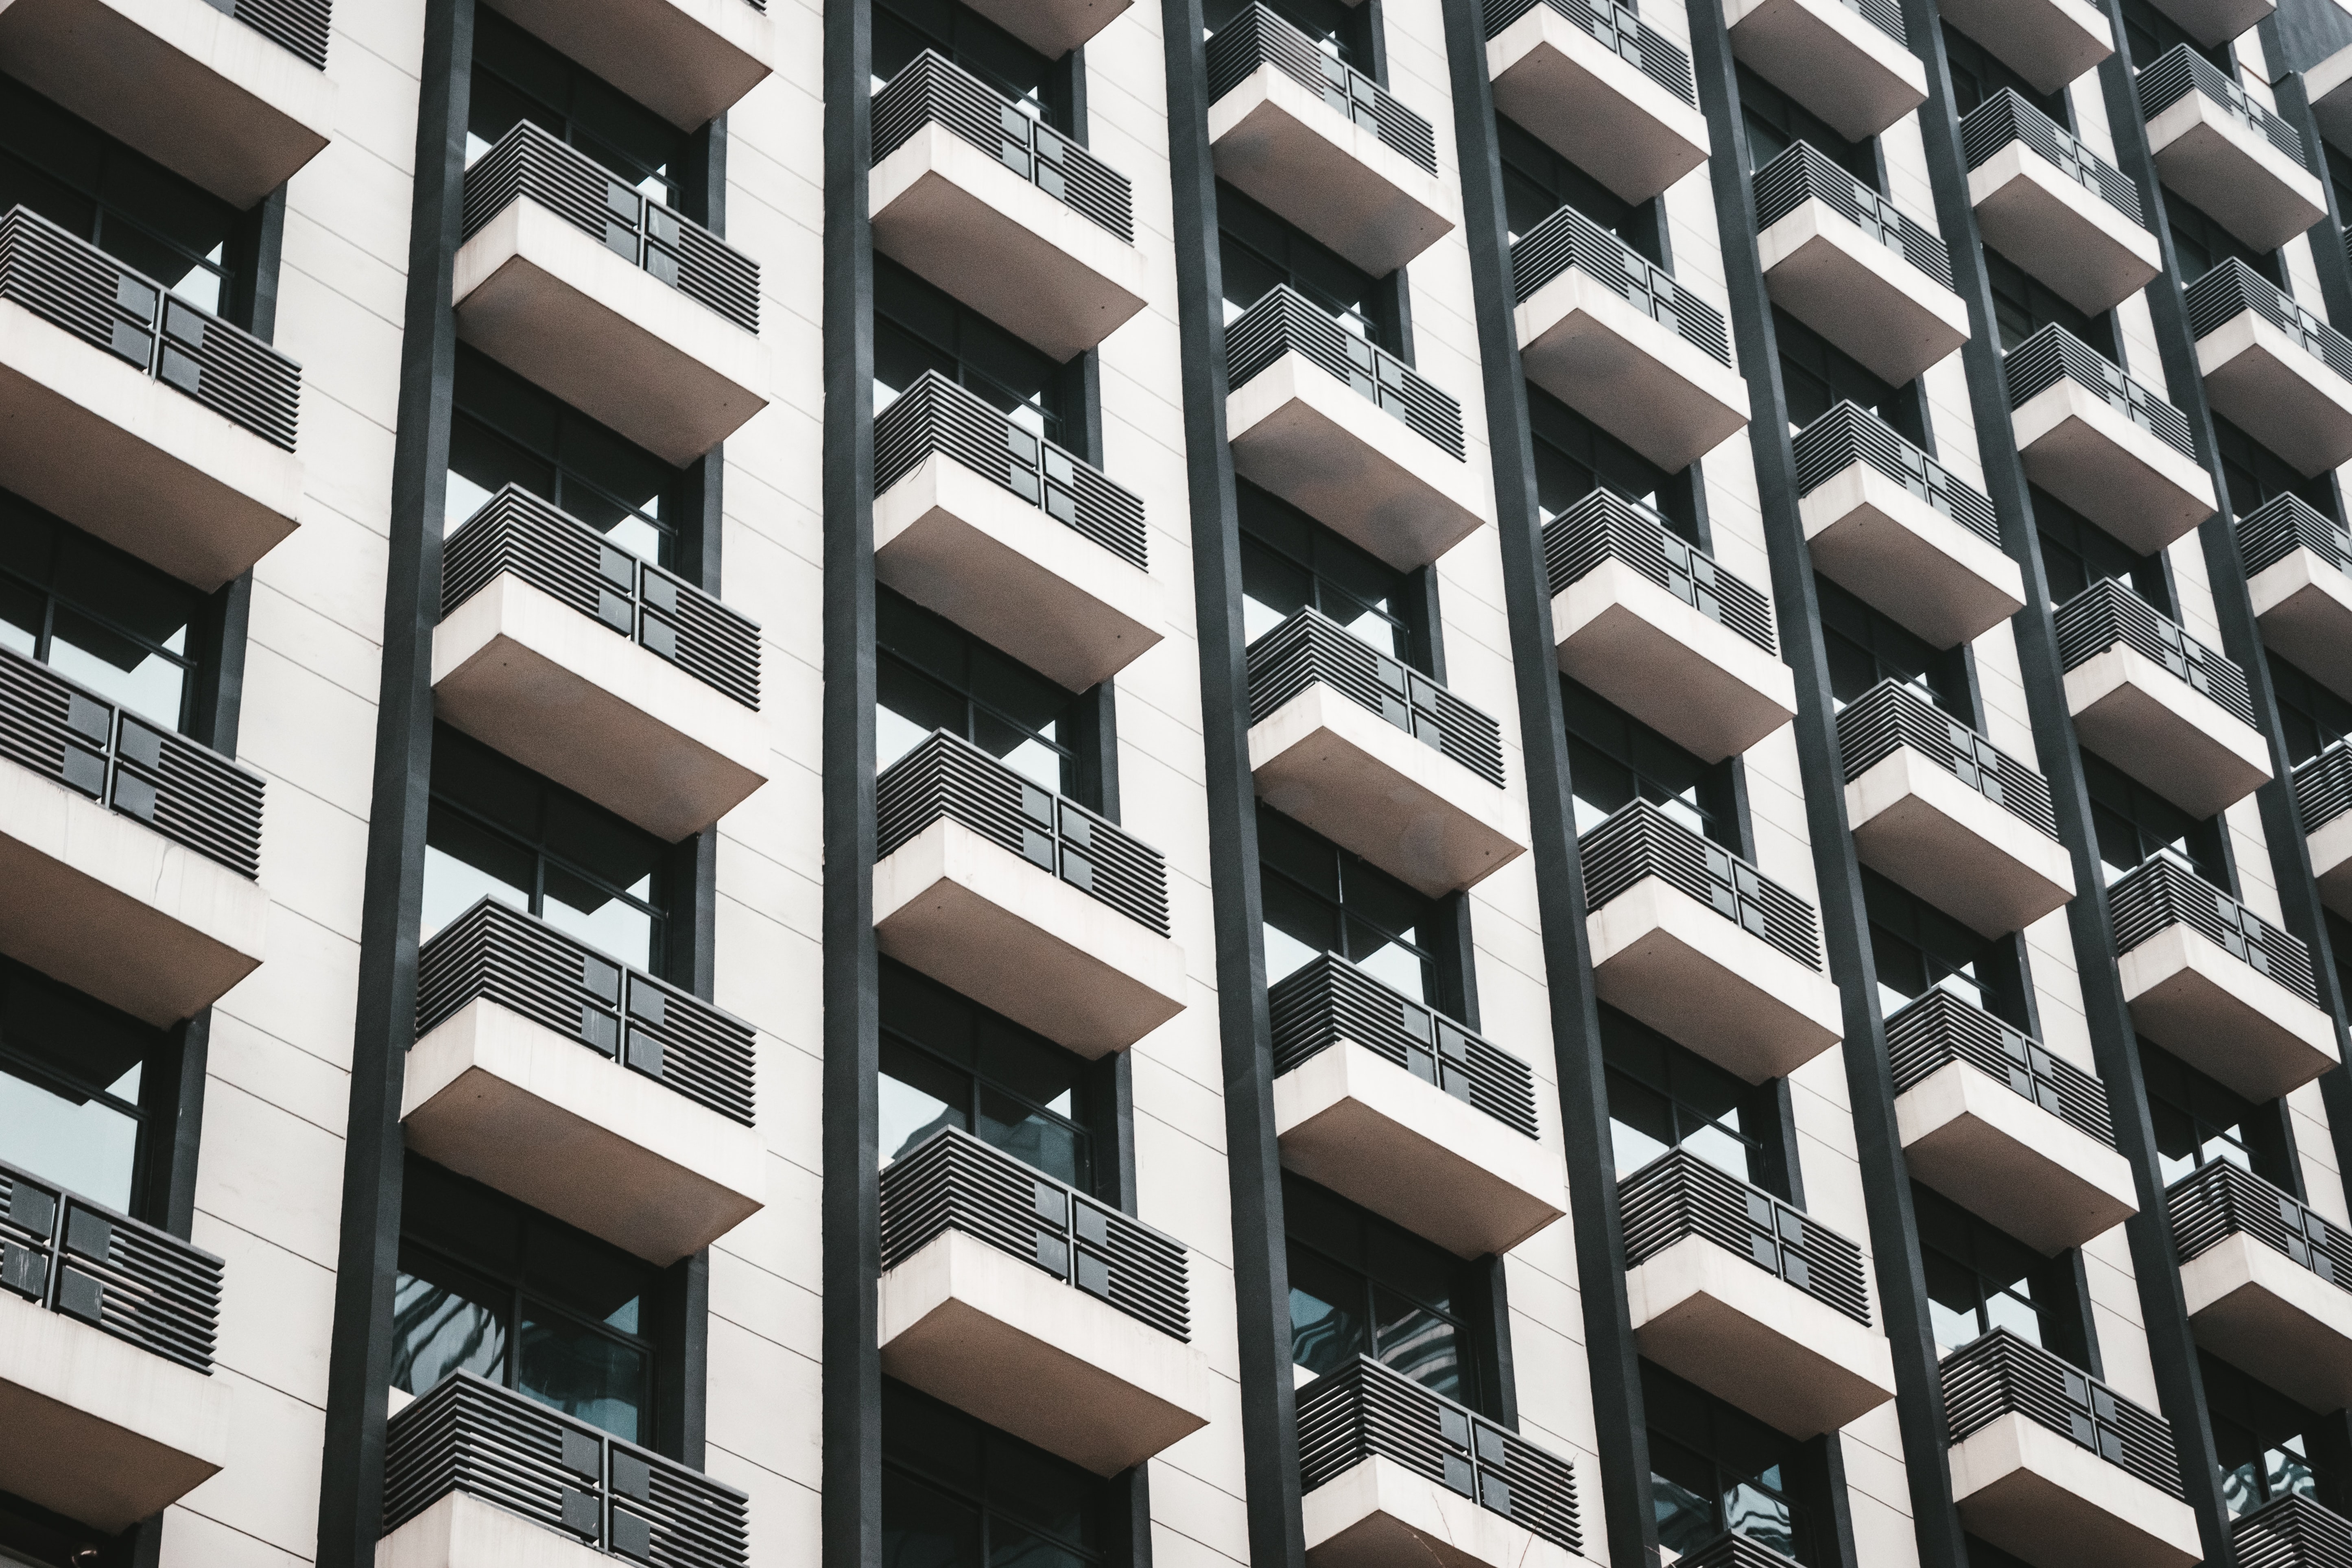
(1598, 84)
(1029, 1305)
(2323, 805)
(998, 889)
(1754, 1302)
(1396, 1107)
(2273, 364)
(2048, 42)
(2327, 86)
(1001, 210)
(2233, 158)
(1849, 64)
(687, 60)
(1053, 27)
(2055, 208)
(136, 416)
(2293, 1533)
(2299, 576)
(640, 317)
(2105, 443)
(2267, 1282)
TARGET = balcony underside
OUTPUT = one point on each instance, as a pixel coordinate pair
(687, 60)
(1831, 60)
(1379, 1514)
(1589, 103)
(2164, 732)
(2304, 604)
(2212, 22)
(1053, 27)
(1918, 825)
(2123, 477)
(1899, 553)
(2260, 380)
(1688, 676)
(2044, 1499)
(1998, 1155)
(2260, 1310)
(2059, 231)
(1632, 377)
(2222, 1018)
(2047, 42)
(2232, 173)
(1864, 298)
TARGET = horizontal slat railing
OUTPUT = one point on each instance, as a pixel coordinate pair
(500, 954)
(2220, 1200)
(2293, 1533)
(1733, 1550)
(2054, 354)
(1328, 1000)
(300, 26)
(2323, 788)
(2284, 524)
(1891, 715)
(1605, 526)
(1310, 647)
(141, 1285)
(2005, 117)
(2107, 613)
(2163, 892)
(1679, 1195)
(1639, 840)
(1621, 31)
(1849, 434)
(1258, 37)
(1284, 322)
(1802, 173)
(2231, 289)
(2001, 1374)
(930, 88)
(1569, 239)
(1939, 1028)
(2181, 71)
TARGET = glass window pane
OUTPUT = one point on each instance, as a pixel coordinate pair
(463, 863)
(587, 1375)
(117, 667)
(443, 1320)
(1047, 1142)
(587, 1277)
(920, 1094)
(83, 1145)
(1761, 1516)
(610, 925)
(1420, 1344)
(1327, 1330)
(924, 1528)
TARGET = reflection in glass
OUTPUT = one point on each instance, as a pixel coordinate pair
(583, 1374)
(83, 1145)
(438, 1329)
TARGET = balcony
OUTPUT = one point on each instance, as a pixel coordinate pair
(233, 97)
(2233, 158)
(138, 417)
(2048, 42)
(2055, 1467)
(1599, 85)
(1031, 550)
(2322, 803)
(1749, 1299)
(2055, 208)
(129, 851)
(1999, 1125)
(1312, 413)
(1938, 809)
(2273, 364)
(1006, 214)
(1849, 64)
(2215, 22)
(1615, 337)
(2215, 983)
(1323, 145)
(636, 316)
(1053, 27)
(687, 60)
(477, 1475)
(1733, 1550)
(2105, 443)
(108, 1406)
(1700, 945)
(2293, 1533)
(996, 888)
(2157, 702)
(629, 1117)
(1901, 531)
(1378, 758)
(1396, 1107)
(1848, 263)
(1079, 1343)
(1654, 625)
(2266, 1281)
(1395, 1473)
(2299, 575)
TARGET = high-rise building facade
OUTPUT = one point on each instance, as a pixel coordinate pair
(1064, 783)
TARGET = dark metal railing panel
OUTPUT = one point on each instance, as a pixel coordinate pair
(2162, 890)
(2107, 613)
(952, 1181)
(1891, 715)
(1258, 38)
(1939, 1028)
(189, 794)
(1329, 1000)
(2220, 1200)
(932, 88)
(1849, 434)
(2280, 526)
(2005, 116)
(1801, 173)
(99, 1267)
(1733, 1550)
(1884, 14)
(1310, 647)
(473, 1436)
(1639, 840)
(2231, 289)
(2001, 1374)
(2293, 1533)
(500, 954)
(1371, 1411)
(1678, 1195)
(1569, 238)
(72, 284)
(2053, 354)
(1621, 31)
(517, 532)
(2181, 71)
(2323, 786)
(947, 776)
(935, 414)
(300, 26)
(1284, 322)
(1606, 526)
(680, 252)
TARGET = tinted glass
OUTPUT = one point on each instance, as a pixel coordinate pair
(2312, 716)
(932, 674)
(1979, 1279)
(947, 1062)
(1537, 182)
(1362, 1287)
(1775, 122)
(1818, 376)
(2260, 1437)
(957, 1494)
(1663, 1097)
(1574, 456)
(71, 1074)
(519, 77)
(1614, 759)
(96, 614)
(905, 28)
(1714, 1467)
(2077, 553)
(2199, 1122)
(1340, 29)
(1290, 562)
(1258, 251)
(2134, 822)
(2023, 305)
(2200, 244)
(918, 328)
(1866, 646)
(1979, 74)
(1322, 898)
(2257, 475)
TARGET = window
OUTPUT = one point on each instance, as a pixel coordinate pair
(1574, 456)
(1663, 1097)
(2134, 822)
(1338, 28)
(1290, 562)
(489, 1287)
(1258, 251)
(1775, 123)
(1979, 1279)
(73, 1086)
(1715, 1468)
(2199, 1122)
(497, 829)
(1979, 74)
(1538, 182)
(2023, 305)
(2150, 33)
(2311, 717)
(2259, 1436)
(2201, 244)
(2256, 474)
(930, 674)
(1917, 948)
(96, 614)
(918, 328)
(505, 431)
(1362, 1287)
(959, 1494)
(519, 77)
(905, 28)
(1322, 898)
(949, 1062)
(1865, 648)
(1614, 759)
(1818, 376)
(2077, 553)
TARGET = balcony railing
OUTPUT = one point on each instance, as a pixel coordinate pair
(931, 87)
(1284, 322)
(1890, 715)
(1800, 173)
(1884, 14)
(300, 26)
(935, 414)
(2054, 354)
(949, 776)
(189, 794)
(1258, 38)
(1369, 1411)
(528, 161)
(1619, 29)
(2005, 117)
(1849, 434)
(1568, 238)
(73, 284)
(1939, 1028)
(1311, 646)
(2181, 71)
(1331, 1000)
(1604, 526)
(2275, 530)
(955, 1182)
(552, 551)
(2323, 786)
(2001, 1374)
(1678, 1195)
(472, 1436)
(500, 954)
(1639, 840)
(143, 1286)
(2163, 892)
(2232, 287)
(2215, 1202)
(1733, 1550)
(2293, 1533)
(2107, 613)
